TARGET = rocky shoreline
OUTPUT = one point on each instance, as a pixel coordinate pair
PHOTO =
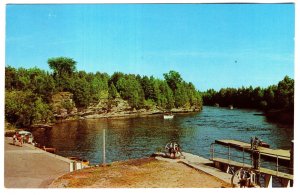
(96, 114)
(112, 109)
(134, 113)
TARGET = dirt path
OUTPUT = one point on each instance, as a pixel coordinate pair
(140, 173)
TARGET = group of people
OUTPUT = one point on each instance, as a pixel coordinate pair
(173, 149)
(22, 137)
(18, 138)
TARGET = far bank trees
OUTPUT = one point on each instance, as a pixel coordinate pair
(28, 92)
(280, 96)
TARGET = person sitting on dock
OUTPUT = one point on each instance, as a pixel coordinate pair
(173, 149)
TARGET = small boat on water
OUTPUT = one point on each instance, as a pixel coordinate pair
(168, 116)
(230, 107)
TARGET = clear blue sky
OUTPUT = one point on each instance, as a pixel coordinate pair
(211, 45)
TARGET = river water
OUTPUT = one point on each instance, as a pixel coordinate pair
(128, 138)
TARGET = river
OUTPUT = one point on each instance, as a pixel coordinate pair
(128, 138)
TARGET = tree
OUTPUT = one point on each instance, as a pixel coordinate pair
(115, 78)
(62, 65)
(29, 91)
(81, 90)
(10, 77)
(130, 89)
(257, 98)
(63, 68)
(41, 83)
(269, 96)
(173, 79)
(165, 97)
(285, 93)
(25, 108)
(181, 96)
(279, 97)
(112, 92)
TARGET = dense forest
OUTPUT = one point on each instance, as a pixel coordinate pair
(28, 92)
(273, 100)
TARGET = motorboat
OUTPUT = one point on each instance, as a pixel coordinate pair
(168, 116)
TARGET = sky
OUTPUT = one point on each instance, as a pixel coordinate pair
(211, 45)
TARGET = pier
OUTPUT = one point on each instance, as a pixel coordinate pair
(272, 154)
(228, 160)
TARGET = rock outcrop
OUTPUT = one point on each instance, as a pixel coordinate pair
(64, 108)
(63, 104)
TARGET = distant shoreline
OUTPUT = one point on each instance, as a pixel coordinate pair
(110, 115)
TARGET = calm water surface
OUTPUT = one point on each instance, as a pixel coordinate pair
(140, 137)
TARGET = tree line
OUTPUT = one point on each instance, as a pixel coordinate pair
(28, 92)
(280, 96)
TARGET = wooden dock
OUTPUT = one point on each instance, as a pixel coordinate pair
(261, 170)
(282, 155)
(286, 179)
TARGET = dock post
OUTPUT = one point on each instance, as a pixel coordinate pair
(103, 152)
(71, 166)
(286, 183)
(243, 157)
(268, 181)
(292, 158)
(212, 151)
(228, 152)
(277, 165)
(292, 162)
(256, 159)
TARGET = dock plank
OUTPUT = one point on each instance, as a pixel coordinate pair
(282, 154)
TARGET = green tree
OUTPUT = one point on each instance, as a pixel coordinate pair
(269, 96)
(24, 108)
(81, 91)
(63, 68)
(130, 89)
(285, 93)
(112, 92)
(165, 98)
(181, 96)
(10, 78)
(173, 79)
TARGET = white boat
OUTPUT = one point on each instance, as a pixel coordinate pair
(168, 116)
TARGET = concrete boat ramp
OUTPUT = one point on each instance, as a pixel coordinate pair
(31, 167)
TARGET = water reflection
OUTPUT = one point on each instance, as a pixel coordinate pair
(140, 137)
